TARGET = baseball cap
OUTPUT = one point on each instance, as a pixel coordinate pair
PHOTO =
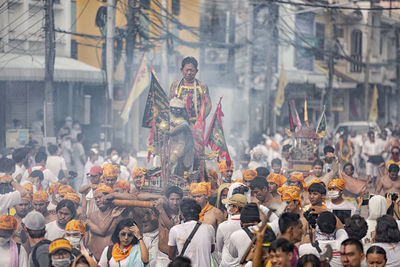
(237, 200)
(34, 220)
(95, 170)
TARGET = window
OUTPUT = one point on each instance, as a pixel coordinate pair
(320, 36)
(145, 4)
(74, 49)
(356, 51)
(305, 41)
(176, 7)
(73, 16)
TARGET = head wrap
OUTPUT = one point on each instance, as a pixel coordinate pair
(8, 222)
(315, 181)
(40, 196)
(75, 225)
(110, 170)
(220, 189)
(53, 188)
(58, 244)
(276, 178)
(289, 193)
(299, 178)
(213, 174)
(222, 167)
(5, 179)
(200, 188)
(73, 197)
(249, 174)
(338, 183)
(139, 171)
(122, 184)
(27, 197)
(102, 188)
(29, 188)
(64, 189)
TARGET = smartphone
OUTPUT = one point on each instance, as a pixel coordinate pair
(366, 196)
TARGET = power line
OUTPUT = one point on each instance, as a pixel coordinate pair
(333, 7)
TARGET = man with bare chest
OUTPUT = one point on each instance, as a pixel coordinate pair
(209, 214)
(389, 182)
(102, 223)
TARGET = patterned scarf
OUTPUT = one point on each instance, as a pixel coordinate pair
(204, 210)
(118, 254)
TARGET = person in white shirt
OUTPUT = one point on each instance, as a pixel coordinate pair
(372, 153)
(35, 179)
(79, 158)
(203, 242)
(241, 240)
(55, 163)
(329, 232)
(226, 228)
(93, 156)
(9, 197)
(357, 142)
(49, 176)
(19, 156)
(336, 201)
(387, 236)
(65, 212)
(12, 254)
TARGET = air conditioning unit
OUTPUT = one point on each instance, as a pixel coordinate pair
(216, 56)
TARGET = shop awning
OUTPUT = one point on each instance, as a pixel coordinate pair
(22, 67)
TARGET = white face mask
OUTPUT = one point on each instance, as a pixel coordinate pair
(4, 240)
(333, 194)
(74, 241)
(114, 158)
(61, 262)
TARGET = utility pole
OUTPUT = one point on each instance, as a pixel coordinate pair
(164, 47)
(132, 126)
(110, 56)
(370, 37)
(50, 54)
(331, 63)
(397, 36)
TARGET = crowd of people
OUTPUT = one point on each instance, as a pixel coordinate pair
(262, 213)
(62, 205)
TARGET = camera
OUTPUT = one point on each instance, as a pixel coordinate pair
(311, 218)
(393, 196)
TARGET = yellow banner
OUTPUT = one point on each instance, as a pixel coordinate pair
(373, 113)
(141, 82)
(280, 94)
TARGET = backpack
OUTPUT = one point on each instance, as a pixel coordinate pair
(109, 254)
(41, 243)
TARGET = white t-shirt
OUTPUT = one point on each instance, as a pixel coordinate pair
(341, 235)
(5, 256)
(392, 253)
(345, 205)
(8, 201)
(55, 164)
(112, 263)
(19, 170)
(53, 231)
(239, 242)
(150, 239)
(225, 229)
(49, 177)
(199, 249)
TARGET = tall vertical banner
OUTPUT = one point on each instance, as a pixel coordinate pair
(140, 83)
(306, 113)
(297, 118)
(280, 93)
(373, 113)
(215, 135)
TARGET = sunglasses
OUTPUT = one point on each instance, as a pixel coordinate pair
(126, 234)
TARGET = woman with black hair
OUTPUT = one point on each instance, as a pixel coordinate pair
(128, 249)
(387, 236)
(376, 257)
(309, 260)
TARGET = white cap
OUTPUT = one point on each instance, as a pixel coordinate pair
(34, 221)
